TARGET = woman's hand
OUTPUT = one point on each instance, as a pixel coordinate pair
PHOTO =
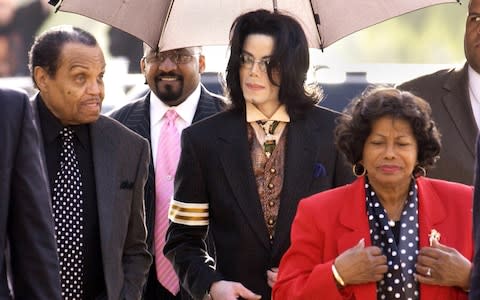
(361, 264)
(442, 265)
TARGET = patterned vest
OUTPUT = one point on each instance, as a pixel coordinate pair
(269, 174)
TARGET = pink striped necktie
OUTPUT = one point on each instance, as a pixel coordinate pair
(168, 154)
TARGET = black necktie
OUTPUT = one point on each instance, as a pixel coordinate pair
(68, 214)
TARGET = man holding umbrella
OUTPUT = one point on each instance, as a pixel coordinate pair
(176, 99)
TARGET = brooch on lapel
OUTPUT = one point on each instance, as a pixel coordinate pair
(319, 170)
(434, 236)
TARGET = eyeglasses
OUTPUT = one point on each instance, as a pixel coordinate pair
(249, 61)
(175, 57)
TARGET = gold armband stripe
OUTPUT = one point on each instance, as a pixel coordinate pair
(192, 214)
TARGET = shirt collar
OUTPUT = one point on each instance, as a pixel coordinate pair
(474, 83)
(51, 126)
(254, 114)
(186, 110)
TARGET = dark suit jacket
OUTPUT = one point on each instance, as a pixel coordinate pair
(26, 223)
(215, 168)
(136, 116)
(447, 93)
(120, 159)
(329, 223)
(475, 282)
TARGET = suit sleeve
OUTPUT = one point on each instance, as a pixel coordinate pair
(185, 245)
(136, 258)
(34, 260)
(475, 281)
(303, 273)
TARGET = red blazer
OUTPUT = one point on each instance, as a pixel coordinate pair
(328, 223)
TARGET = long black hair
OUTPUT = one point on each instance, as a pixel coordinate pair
(290, 58)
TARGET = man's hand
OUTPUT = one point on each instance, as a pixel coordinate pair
(272, 276)
(229, 290)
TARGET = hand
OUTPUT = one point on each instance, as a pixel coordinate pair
(359, 265)
(272, 276)
(229, 290)
(447, 266)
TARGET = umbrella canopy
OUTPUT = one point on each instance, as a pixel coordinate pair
(171, 24)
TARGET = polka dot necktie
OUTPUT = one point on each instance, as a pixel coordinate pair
(68, 214)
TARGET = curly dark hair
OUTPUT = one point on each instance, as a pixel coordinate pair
(290, 57)
(355, 124)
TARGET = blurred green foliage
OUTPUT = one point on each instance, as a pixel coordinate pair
(432, 35)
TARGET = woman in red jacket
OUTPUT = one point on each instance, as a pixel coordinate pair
(392, 234)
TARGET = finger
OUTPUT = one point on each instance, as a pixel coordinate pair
(424, 279)
(381, 269)
(379, 260)
(374, 250)
(248, 295)
(361, 244)
(429, 252)
(272, 276)
(274, 269)
(270, 282)
(436, 244)
(423, 270)
(426, 261)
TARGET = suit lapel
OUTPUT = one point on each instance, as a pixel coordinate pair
(36, 119)
(457, 102)
(300, 159)
(139, 118)
(139, 121)
(206, 106)
(353, 217)
(103, 148)
(235, 157)
(431, 214)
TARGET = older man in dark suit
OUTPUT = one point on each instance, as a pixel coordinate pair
(26, 223)
(454, 96)
(97, 170)
(174, 81)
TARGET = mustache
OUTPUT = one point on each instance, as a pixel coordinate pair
(168, 74)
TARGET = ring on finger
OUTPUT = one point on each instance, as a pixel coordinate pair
(429, 272)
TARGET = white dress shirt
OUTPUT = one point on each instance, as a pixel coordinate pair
(474, 91)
